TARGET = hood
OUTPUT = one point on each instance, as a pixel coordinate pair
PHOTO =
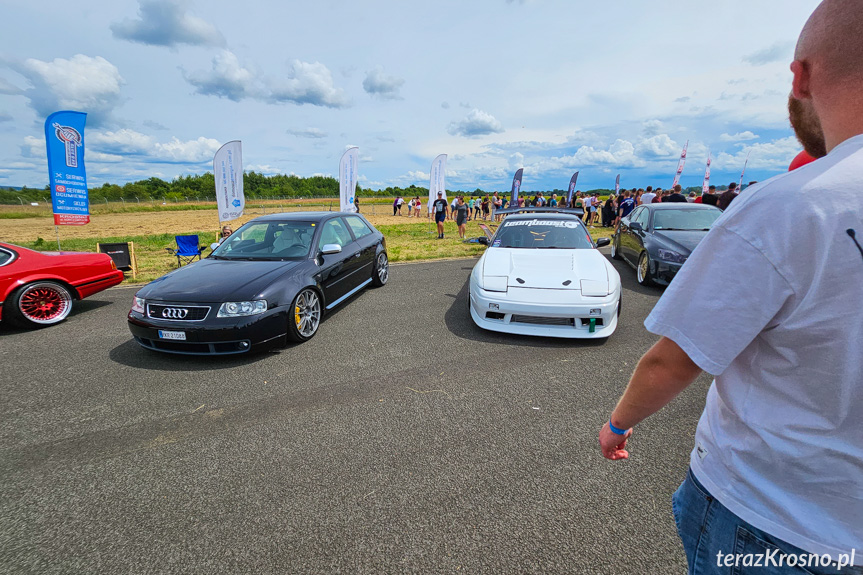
(212, 280)
(547, 269)
(680, 241)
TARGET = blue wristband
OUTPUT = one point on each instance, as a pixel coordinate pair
(616, 430)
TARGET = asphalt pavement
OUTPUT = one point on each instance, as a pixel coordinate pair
(400, 439)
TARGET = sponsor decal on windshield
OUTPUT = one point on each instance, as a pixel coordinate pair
(551, 223)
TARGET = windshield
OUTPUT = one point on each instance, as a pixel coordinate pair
(268, 241)
(542, 234)
(684, 219)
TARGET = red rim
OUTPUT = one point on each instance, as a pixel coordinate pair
(43, 304)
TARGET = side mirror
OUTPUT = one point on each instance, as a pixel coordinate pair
(331, 249)
(602, 242)
(483, 240)
(635, 226)
(214, 246)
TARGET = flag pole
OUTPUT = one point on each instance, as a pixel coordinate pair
(57, 229)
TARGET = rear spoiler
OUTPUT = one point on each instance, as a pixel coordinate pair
(579, 212)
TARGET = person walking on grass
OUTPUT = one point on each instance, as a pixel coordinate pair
(418, 204)
(461, 212)
(777, 465)
(440, 208)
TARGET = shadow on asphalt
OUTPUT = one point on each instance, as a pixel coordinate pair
(78, 308)
(131, 354)
(460, 324)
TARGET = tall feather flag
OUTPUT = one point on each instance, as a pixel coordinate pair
(706, 185)
(348, 172)
(617, 185)
(680, 164)
(740, 185)
(516, 187)
(228, 172)
(437, 180)
(571, 191)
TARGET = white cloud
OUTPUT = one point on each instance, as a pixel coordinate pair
(775, 155)
(659, 146)
(82, 83)
(739, 137)
(313, 133)
(166, 23)
(381, 85)
(476, 123)
(8, 88)
(192, 151)
(308, 83)
(778, 52)
(123, 141)
(226, 79)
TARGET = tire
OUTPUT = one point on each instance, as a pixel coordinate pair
(305, 316)
(381, 273)
(39, 304)
(643, 270)
(615, 250)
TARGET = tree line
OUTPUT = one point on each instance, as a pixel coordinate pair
(255, 186)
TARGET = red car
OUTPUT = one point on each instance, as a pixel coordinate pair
(37, 288)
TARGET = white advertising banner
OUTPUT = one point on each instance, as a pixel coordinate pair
(348, 179)
(437, 182)
(680, 165)
(706, 185)
(228, 170)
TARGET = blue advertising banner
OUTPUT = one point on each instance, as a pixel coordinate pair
(64, 139)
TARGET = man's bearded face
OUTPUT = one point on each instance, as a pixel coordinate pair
(807, 126)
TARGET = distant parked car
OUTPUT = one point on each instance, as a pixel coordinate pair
(268, 283)
(37, 289)
(656, 239)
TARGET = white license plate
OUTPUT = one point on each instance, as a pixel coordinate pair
(172, 334)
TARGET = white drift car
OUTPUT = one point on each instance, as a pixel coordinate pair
(542, 275)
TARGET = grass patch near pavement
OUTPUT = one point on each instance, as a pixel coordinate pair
(408, 239)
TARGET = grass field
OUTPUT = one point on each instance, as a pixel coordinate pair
(408, 239)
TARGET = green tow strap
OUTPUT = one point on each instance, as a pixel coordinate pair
(592, 325)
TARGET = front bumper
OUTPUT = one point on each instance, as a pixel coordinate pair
(562, 313)
(664, 272)
(213, 335)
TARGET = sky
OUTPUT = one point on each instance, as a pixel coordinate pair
(553, 86)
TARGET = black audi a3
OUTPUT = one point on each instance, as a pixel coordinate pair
(656, 239)
(268, 283)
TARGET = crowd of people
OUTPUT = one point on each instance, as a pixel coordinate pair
(597, 212)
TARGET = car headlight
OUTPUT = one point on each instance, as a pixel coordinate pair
(138, 304)
(671, 256)
(241, 308)
(495, 283)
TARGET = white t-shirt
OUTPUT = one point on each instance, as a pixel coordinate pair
(647, 198)
(770, 304)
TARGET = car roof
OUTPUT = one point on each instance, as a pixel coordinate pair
(542, 216)
(678, 206)
(300, 216)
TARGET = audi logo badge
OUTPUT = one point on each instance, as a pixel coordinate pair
(174, 313)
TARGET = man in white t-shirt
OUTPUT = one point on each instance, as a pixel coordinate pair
(777, 468)
(647, 197)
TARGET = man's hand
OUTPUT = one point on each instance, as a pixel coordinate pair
(612, 444)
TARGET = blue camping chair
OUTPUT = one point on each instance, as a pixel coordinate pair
(187, 249)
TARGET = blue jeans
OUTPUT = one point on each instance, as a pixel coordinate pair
(708, 528)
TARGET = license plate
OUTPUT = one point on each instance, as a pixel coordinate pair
(172, 334)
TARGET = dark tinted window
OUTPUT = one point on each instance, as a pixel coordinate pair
(685, 219)
(542, 234)
(358, 226)
(5, 257)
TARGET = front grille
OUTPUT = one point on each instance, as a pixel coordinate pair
(177, 312)
(535, 319)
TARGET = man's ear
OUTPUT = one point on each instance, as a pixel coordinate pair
(800, 82)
